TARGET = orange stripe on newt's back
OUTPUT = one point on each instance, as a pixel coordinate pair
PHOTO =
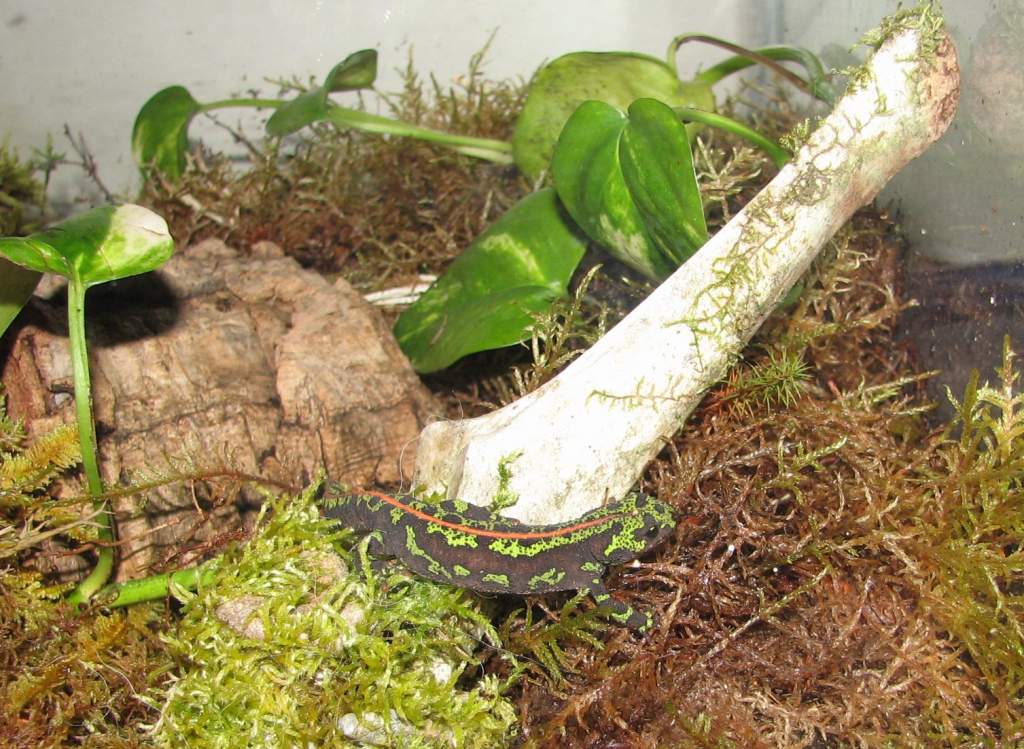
(521, 535)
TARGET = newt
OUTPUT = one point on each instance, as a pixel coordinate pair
(466, 545)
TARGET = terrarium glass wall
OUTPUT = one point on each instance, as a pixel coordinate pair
(841, 574)
(93, 72)
(963, 200)
(961, 204)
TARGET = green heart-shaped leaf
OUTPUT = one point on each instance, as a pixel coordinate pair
(358, 70)
(16, 287)
(657, 166)
(629, 183)
(160, 133)
(617, 78)
(589, 181)
(488, 296)
(103, 244)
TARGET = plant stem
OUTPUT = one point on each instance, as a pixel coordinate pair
(498, 151)
(157, 587)
(87, 439)
(225, 103)
(817, 85)
(777, 154)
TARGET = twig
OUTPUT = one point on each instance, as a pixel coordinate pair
(88, 162)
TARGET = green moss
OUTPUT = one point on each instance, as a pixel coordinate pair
(543, 642)
(795, 139)
(28, 515)
(326, 648)
(775, 381)
(21, 194)
(505, 497)
(975, 542)
(926, 18)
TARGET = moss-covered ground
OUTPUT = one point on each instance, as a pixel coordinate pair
(845, 572)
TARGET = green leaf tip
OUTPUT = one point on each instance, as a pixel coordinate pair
(489, 295)
(160, 133)
(16, 286)
(104, 244)
(357, 71)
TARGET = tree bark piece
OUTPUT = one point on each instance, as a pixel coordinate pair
(586, 435)
(249, 361)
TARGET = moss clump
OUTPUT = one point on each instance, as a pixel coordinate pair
(926, 18)
(972, 550)
(280, 646)
(65, 678)
(22, 195)
(318, 652)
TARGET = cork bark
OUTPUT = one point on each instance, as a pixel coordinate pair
(251, 362)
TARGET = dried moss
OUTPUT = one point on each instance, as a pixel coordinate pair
(379, 210)
(22, 195)
(65, 678)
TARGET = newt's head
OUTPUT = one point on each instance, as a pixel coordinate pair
(643, 523)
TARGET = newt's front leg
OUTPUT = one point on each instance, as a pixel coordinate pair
(618, 612)
(377, 555)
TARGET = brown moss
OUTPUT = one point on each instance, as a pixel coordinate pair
(74, 680)
(65, 678)
(837, 579)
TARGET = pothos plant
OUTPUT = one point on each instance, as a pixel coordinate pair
(610, 130)
(160, 133)
(105, 244)
(613, 130)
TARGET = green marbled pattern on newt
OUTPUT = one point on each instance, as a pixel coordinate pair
(465, 545)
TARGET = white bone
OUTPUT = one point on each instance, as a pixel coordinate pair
(586, 435)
